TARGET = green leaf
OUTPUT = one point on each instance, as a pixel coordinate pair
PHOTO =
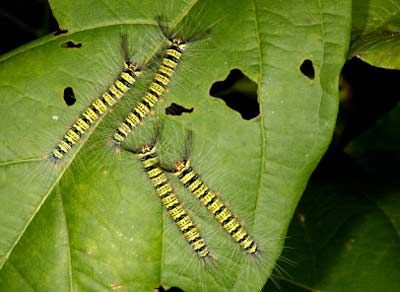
(345, 235)
(376, 32)
(342, 240)
(94, 222)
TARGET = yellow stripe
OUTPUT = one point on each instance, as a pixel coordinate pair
(174, 53)
(165, 70)
(115, 91)
(159, 179)
(225, 214)
(240, 234)
(99, 106)
(123, 128)
(128, 78)
(90, 115)
(117, 137)
(163, 190)
(207, 198)
(184, 223)
(64, 146)
(177, 212)
(200, 191)
(215, 206)
(169, 63)
(170, 200)
(231, 225)
(150, 162)
(122, 87)
(187, 177)
(194, 185)
(109, 99)
(81, 125)
(157, 88)
(58, 154)
(154, 172)
(150, 99)
(162, 79)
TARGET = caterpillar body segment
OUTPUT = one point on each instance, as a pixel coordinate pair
(149, 159)
(97, 108)
(215, 205)
(161, 80)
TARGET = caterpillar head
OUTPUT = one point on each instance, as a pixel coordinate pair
(134, 67)
(181, 164)
(179, 42)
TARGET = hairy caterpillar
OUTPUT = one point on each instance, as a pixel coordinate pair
(156, 89)
(98, 107)
(149, 158)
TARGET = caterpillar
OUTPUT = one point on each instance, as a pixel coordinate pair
(214, 204)
(156, 89)
(97, 108)
(158, 179)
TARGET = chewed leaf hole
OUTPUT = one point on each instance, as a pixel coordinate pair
(71, 44)
(177, 110)
(307, 68)
(239, 93)
(69, 96)
(172, 289)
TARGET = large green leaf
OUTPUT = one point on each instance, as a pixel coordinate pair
(376, 32)
(94, 223)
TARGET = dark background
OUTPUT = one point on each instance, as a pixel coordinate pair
(366, 92)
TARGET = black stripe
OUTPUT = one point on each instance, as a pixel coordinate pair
(146, 104)
(159, 83)
(121, 133)
(177, 48)
(234, 231)
(151, 167)
(67, 141)
(85, 120)
(194, 239)
(204, 194)
(185, 172)
(164, 74)
(172, 58)
(95, 110)
(192, 180)
(147, 156)
(173, 207)
(123, 81)
(160, 184)
(166, 194)
(181, 218)
(211, 201)
(55, 157)
(154, 93)
(198, 187)
(136, 114)
(220, 210)
(60, 150)
(250, 246)
(243, 238)
(76, 131)
(203, 247)
(227, 220)
(130, 72)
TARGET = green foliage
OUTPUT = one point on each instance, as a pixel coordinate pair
(94, 223)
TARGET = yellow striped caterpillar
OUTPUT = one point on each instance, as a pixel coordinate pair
(192, 181)
(156, 89)
(149, 158)
(97, 108)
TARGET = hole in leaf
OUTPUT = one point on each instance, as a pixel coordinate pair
(307, 68)
(177, 110)
(239, 93)
(71, 44)
(60, 31)
(172, 289)
(69, 96)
